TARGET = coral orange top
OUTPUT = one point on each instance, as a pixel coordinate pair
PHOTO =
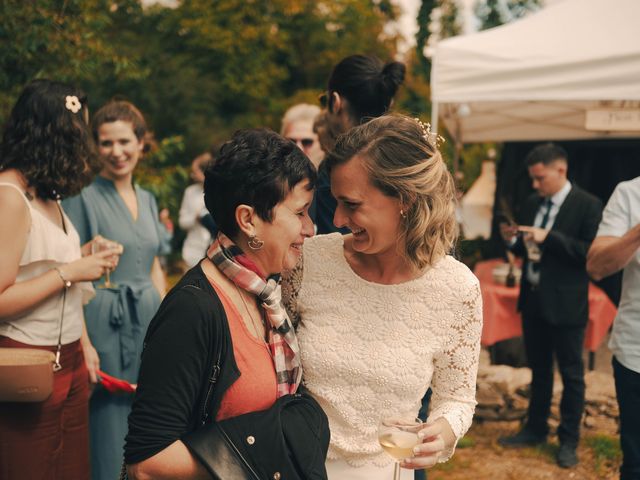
(256, 388)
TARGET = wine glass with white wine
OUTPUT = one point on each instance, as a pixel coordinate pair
(100, 245)
(397, 436)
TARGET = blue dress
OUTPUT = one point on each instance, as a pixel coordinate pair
(118, 317)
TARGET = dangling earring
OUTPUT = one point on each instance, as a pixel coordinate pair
(254, 243)
(402, 214)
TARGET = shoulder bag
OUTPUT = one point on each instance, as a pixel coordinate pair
(26, 374)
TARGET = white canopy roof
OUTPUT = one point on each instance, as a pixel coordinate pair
(536, 78)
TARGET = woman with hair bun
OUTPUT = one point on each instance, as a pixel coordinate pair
(114, 207)
(361, 87)
(386, 312)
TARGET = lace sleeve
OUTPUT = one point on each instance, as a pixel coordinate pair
(291, 283)
(456, 366)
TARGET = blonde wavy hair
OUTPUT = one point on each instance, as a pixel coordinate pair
(403, 162)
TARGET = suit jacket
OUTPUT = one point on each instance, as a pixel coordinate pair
(564, 283)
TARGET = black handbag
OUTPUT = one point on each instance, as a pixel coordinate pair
(288, 441)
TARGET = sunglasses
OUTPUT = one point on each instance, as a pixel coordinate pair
(305, 142)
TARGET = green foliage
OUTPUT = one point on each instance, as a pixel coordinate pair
(606, 450)
(413, 97)
(249, 58)
(449, 19)
(201, 70)
(466, 442)
(489, 14)
(56, 39)
(198, 72)
(423, 64)
(493, 13)
(161, 173)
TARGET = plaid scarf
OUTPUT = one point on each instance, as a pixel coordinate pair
(283, 342)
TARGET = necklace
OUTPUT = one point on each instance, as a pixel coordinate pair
(258, 330)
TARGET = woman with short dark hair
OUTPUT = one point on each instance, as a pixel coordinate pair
(46, 154)
(258, 190)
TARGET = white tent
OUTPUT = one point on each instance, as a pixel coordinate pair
(569, 71)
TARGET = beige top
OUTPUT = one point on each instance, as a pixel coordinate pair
(47, 247)
(372, 350)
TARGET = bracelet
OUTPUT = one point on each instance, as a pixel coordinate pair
(67, 283)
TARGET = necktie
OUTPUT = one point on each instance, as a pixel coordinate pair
(546, 205)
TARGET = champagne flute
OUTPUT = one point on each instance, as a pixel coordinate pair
(398, 436)
(101, 245)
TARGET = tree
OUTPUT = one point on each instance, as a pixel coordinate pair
(493, 13)
(423, 64)
(449, 19)
(59, 40)
(198, 72)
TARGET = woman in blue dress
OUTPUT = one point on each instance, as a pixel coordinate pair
(117, 319)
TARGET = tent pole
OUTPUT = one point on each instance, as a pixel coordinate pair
(434, 117)
(458, 147)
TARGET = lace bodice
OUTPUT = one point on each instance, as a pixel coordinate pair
(371, 350)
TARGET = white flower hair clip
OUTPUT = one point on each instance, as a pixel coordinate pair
(430, 137)
(72, 103)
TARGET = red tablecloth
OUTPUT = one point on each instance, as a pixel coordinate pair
(502, 320)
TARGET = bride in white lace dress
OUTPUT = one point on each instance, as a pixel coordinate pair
(385, 312)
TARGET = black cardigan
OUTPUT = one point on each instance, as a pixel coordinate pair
(180, 350)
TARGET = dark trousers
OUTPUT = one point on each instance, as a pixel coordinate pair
(628, 393)
(542, 342)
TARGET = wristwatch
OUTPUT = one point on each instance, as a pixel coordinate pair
(67, 283)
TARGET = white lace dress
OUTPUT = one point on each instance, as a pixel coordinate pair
(372, 350)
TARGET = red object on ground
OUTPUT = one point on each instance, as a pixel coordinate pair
(116, 385)
(502, 321)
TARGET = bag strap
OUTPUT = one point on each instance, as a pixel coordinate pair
(213, 379)
(56, 365)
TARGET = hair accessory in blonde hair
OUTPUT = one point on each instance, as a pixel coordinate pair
(431, 137)
(72, 103)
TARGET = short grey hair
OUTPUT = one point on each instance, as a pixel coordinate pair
(299, 113)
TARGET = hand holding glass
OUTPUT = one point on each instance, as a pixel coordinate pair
(100, 245)
(533, 250)
(398, 436)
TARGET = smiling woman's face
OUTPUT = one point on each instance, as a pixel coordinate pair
(119, 149)
(372, 216)
(283, 237)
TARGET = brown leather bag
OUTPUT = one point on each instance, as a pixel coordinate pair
(26, 374)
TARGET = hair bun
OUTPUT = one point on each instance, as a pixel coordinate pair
(393, 76)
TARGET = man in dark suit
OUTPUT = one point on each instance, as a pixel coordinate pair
(557, 225)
